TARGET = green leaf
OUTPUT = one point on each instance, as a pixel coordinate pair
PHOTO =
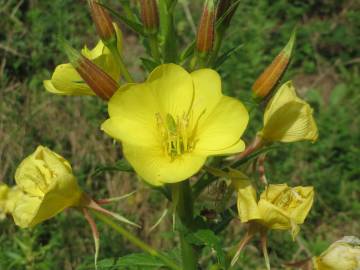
(221, 59)
(133, 25)
(168, 38)
(135, 261)
(189, 50)
(208, 238)
(149, 64)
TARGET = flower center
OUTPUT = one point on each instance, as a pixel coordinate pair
(289, 199)
(177, 134)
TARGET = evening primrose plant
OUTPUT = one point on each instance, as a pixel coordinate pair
(180, 135)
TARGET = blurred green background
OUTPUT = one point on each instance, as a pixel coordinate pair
(325, 70)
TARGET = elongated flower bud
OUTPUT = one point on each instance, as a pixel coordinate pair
(272, 74)
(103, 22)
(205, 35)
(225, 11)
(101, 83)
(149, 16)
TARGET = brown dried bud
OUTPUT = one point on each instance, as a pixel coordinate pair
(102, 20)
(205, 35)
(101, 83)
(272, 74)
(149, 16)
(225, 11)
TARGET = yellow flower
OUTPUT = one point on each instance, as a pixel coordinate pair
(48, 184)
(341, 255)
(288, 118)
(172, 122)
(280, 207)
(66, 80)
(4, 190)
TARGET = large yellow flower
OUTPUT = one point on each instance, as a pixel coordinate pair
(172, 122)
(48, 187)
(280, 207)
(288, 118)
(67, 81)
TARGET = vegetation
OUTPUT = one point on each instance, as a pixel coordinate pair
(325, 69)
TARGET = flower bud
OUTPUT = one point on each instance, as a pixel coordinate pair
(100, 82)
(341, 255)
(225, 11)
(48, 185)
(103, 22)
(205, 35)
(149, 16)
(272, 74)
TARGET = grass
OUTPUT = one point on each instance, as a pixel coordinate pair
(325, 69)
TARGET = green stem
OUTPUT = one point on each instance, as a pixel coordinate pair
(185, 211)
(136, 241)
(154, 47)
(118, 58)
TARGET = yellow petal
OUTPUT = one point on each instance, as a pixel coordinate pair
(274, 217)
(66, 81)
(207, 85)
(246, 201)
(273, 192)
(287, 118)
(156, 168)
(132, 111)
(222, 129)
(306, 195)
(14, 195)
(173, 87)
(25, 210)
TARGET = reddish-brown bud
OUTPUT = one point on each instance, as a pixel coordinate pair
(149, 16)
(205, 35)
(102, 20)
(225, 11)
(272, 74)
(101, 83)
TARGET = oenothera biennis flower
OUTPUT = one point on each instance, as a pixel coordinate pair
(280, 207)
(288, 118)
(48, 187)
(169, 124)
(344, 254)
(66, 80)
(4, 190)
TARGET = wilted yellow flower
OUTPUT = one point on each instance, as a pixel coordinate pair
(288, 118)
(172, 122)
(280, 207)
(48, 184)
(67, 81)
(341, 255)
